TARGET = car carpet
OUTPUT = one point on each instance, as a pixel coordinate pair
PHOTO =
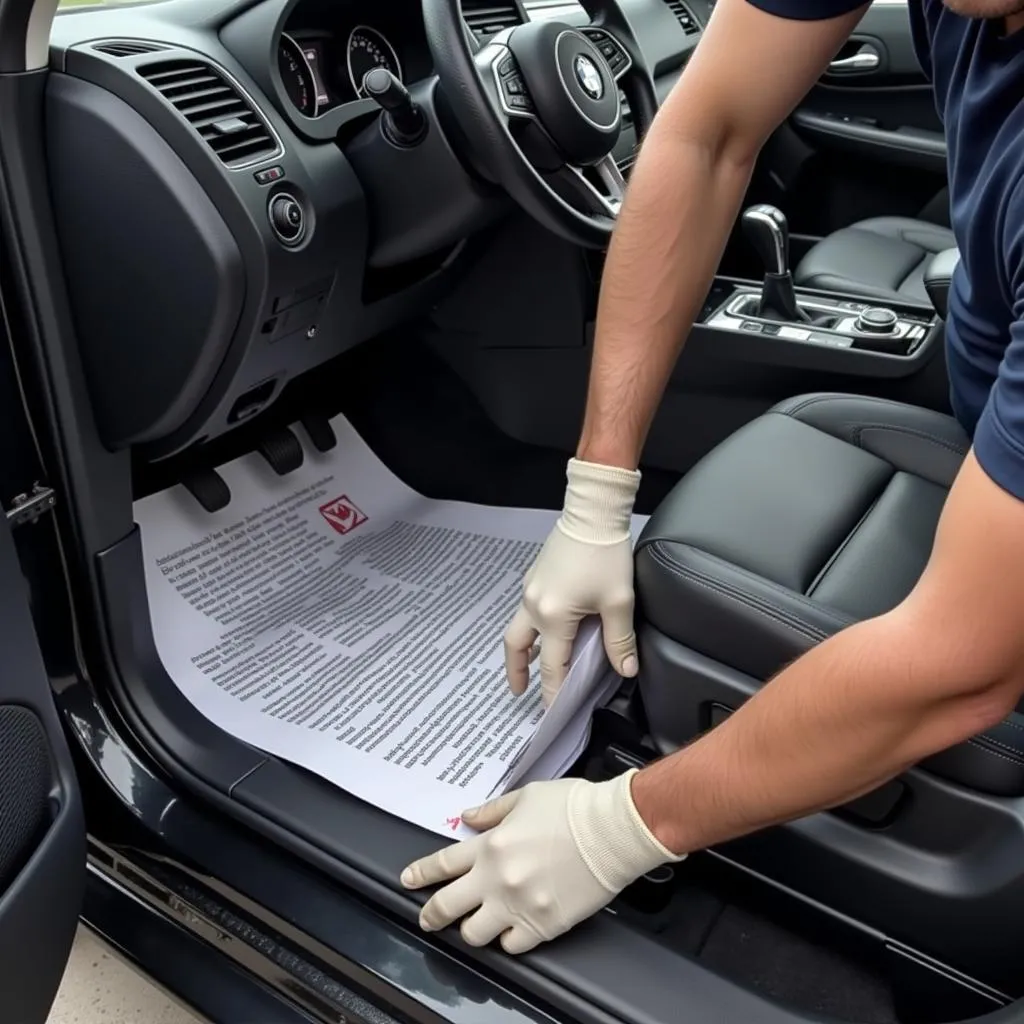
(425, 424)
(780, 965)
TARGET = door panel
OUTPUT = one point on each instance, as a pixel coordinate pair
(867, 140)
(42, 833)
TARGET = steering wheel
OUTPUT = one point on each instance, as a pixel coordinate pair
(538, 105)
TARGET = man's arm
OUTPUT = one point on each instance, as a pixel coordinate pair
(876, 698)
(944, 665)
(748, 72)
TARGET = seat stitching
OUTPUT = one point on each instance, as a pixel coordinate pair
(986, 738)
(910, 431)
(841, 621)
(995, 753)
(807, 632)
(805, 629)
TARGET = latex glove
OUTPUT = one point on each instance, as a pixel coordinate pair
(555, 853)
(584, 568)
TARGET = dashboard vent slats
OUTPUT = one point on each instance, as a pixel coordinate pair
(215, 108)
(126, 47)
(684, 16)
(488, 17)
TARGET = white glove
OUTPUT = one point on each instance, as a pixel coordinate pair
(557, 852)
(585, 568)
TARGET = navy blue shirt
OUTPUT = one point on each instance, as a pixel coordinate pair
(978, 76)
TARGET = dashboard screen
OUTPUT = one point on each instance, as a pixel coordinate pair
(314, 58)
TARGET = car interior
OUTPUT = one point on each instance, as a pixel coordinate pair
(251, 214)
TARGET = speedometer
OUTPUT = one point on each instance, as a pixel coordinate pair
(368, 49)
(296, 76)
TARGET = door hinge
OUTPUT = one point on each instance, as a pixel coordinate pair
(27, 508)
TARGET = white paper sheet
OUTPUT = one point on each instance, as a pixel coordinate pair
(339, 620)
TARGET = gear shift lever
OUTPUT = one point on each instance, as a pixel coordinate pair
(768, 231)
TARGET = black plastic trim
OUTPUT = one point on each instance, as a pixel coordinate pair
(909, 147)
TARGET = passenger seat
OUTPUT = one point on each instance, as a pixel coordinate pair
(880, 258)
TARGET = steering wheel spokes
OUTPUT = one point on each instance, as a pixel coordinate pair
(599, 189)
(615, 54)
(540, 103)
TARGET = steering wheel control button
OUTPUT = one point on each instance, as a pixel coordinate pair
(512, 89)
(572, 87)
(268, 175)
(611, 49)
(877, 320)
(287, 219)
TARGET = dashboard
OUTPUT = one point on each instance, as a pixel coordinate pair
(326, 49)
(256, 221)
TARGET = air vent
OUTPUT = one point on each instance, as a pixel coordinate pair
(684, 16)
(127, 47)
(216, 109)
(486, 17)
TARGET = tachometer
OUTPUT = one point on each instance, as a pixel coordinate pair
(296, 76)
(369, 49)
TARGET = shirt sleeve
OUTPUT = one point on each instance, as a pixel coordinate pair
(999, 437)
(807, 10)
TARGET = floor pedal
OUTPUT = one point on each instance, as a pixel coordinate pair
(282, 450)
(320, 431)
(209, 488)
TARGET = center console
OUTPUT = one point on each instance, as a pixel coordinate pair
(780, 323)
(834, 322)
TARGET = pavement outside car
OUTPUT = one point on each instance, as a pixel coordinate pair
(100, 989)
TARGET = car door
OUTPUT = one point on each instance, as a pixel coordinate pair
(867, 140)
(42, 830)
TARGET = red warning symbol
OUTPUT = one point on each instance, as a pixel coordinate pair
(453, 823)
(342, 514)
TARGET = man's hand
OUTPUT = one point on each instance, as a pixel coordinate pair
(551, 854)
(585, 568)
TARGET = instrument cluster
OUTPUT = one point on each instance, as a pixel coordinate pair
(325, 51)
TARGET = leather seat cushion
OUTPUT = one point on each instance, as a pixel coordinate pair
(816, 515)
(881, 258)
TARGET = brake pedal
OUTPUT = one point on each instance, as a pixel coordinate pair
(320, 431)
(209, 488)
(282, 450)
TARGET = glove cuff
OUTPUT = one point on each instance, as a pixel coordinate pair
(598, 502)
(611, 837)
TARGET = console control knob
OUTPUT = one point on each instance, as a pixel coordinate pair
(287, 218)
(877, 320)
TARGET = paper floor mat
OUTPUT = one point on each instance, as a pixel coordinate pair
(339, 620)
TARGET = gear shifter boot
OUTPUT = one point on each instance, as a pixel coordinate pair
(778, 299)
